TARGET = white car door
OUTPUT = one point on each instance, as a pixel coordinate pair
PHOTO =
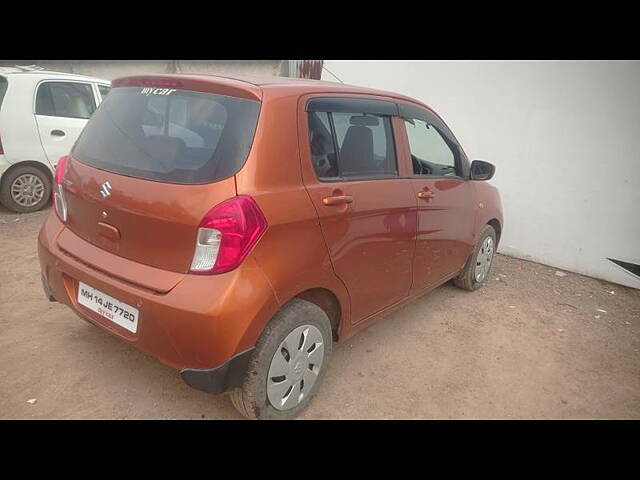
(62, 108)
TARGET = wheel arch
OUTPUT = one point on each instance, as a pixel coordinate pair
(29, 163)
(328, 302)
(495, 223)
(323, 297)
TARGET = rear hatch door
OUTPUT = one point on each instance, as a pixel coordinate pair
(149, 165)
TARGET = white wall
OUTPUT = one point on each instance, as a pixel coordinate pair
(110, 69)
(564, 136)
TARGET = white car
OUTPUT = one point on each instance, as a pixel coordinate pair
(41, 115)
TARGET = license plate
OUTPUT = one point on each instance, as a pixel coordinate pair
(105, 305)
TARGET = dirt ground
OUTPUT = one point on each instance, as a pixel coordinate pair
(529, 344)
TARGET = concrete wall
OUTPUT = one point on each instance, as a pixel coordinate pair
(564, 136)
(110, 69)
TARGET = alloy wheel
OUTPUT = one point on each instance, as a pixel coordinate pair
(27, 190)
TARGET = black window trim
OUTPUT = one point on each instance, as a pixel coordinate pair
(352, 105)
(49, 80)
(334, 139)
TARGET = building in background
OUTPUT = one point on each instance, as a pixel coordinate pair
(565, 139)
(110, 69)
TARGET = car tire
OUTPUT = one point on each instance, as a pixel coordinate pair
(468, 278)
(37, 185)
(260, 390)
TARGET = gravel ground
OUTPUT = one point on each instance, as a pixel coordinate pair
(529, 344)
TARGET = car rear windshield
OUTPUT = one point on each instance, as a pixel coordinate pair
(169, 135)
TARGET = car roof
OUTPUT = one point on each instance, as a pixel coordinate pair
(256, 84)
(267, 82)
(49, 74)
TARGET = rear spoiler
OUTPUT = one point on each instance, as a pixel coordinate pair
(197, 83)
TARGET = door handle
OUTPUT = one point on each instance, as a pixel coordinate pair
(57, 133)
(426, 195)
(337, 200)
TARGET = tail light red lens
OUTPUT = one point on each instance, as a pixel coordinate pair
(61, 169)
(58, 192)
(226, 235)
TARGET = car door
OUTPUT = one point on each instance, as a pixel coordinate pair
(62, 109)
(366, 211)
(443, 197)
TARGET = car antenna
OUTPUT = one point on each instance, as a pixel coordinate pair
(335, 76)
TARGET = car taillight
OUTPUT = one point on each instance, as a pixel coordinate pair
(58, 192)
(226, 235)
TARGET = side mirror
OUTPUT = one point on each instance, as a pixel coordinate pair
(481, 170)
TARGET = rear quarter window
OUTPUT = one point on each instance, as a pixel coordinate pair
(169, 135)
(104, 90)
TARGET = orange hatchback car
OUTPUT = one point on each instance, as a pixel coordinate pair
(234, 228)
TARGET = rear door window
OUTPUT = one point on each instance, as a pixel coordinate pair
(65, 99)
(352, 145)
(169, 135)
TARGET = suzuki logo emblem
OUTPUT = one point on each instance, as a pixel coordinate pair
(105, 190)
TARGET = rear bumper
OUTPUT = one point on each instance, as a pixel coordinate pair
(205, 326)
